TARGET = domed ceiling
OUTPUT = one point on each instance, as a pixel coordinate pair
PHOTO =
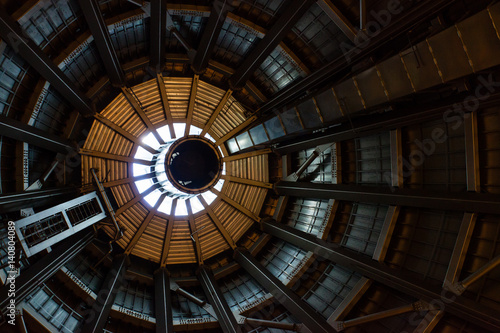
(128, 145)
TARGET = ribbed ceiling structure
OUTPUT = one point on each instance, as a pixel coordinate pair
(357, 187)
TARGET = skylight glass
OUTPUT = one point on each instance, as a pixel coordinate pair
(143, 185)
(209, 197)
(153, 197)
(196, 205)
(166, 206)
(181, 209)
(151, 141)
(143, 154)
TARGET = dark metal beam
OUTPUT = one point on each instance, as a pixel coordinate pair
(294, 9)
(210, 35)
(404, 282)
(106, 296)
(158, 34)
(313, 321)
(11, 32)
(399, 26)
(44, 268)
(376, 123)
(215, 297)
(22, 132)
(463, 202)
(11, 202)
(100, 32)
(163, 301)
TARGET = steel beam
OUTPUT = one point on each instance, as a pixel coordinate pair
(11, 202)
(342, 325)
(158, 35)
(404, 282)
(460, 250)
(210, 35)
(100, 32)
(350, 301)
(294, 9)
(399, 26)
(472, 152)
(22, 132)
(429, 322)
(376, 123)
(468, 201)
(163, 301)
(226, 318)
(384, 239)
(300, 310)
(44, 268)
(106, 296)
(396, 142)
(338, 18)
(11, 32)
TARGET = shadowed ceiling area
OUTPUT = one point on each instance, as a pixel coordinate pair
(249, 166)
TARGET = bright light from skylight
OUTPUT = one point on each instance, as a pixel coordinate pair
(143, 185)
(164, 133)
(166, 206)
(151, 141)
(196, 205)
(143, 154)
(219, 184)
(153, 197)
(179, 129)
(181, 209)
(209, 197)
(193, 130)
(140, 169)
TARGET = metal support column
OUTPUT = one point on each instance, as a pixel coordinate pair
(43, 269)
(99, 30)
(106, 296)
(163, 302)
(469, 201)
(313, 321)
(226, 318)
(210, 35)
(294, 9)
(405, 282)
(158, 34)
(22, 132)
(472, 152)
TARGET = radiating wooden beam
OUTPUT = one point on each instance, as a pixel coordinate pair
(137, 107)
(135, 200)
(192, 100)
(194, 232)
(247, 155)
(236, 205)
(168, 235)
(105, 121)
(215, 114)
(247, 181)
(218, 223)
(236, 130)
(166, 106)
(144, 225)
(114, 157)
